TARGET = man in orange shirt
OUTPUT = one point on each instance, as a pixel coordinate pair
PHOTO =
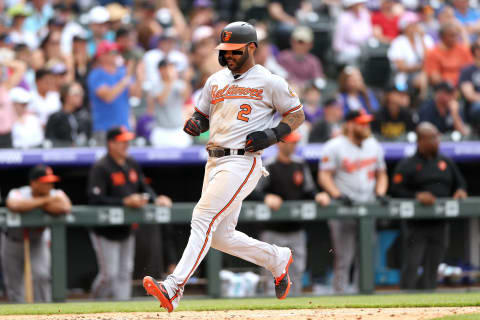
(445, 61)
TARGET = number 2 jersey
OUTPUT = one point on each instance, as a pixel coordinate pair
(239, 106)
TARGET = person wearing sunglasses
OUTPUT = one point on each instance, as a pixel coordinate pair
(237, 105)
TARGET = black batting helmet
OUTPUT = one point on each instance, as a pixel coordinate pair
(236, 35)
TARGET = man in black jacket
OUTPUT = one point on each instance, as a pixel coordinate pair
(117, 180)
(426, 176)
(289, 179)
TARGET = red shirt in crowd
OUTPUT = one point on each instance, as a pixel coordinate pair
(389, 25)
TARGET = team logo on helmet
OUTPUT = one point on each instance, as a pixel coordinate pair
(226, 35)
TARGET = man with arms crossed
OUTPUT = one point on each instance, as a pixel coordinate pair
(237, 105)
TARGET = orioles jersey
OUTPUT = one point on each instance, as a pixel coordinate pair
(354, 166)
(239, 106)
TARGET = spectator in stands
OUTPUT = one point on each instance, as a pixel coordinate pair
(166, 48)
(167, 101)
(352, 168)
(394, 120)
(311, 98)
(283, 12)
(36, 23)
(148, 27)
(63, 127)
(385, 21)
(127, 45)
(204, 57)
(98, 18)
(81, 62)
(117, 180)
(29, 58)
(354, 94)
(290, 179)
(264, 55)
(330, 125)
(27, 131)
(52, 54)
(425, 176)
(443, 110)
(301, 65)
(445, 61)
(406, 54)
(118, 15)
(108, 89)
(39, 194)
(469, 84)
(353, 29)
(46, 99)
(19, 12)
(11, 73)
(469, 17)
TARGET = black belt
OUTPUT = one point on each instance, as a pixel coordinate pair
(217, 153)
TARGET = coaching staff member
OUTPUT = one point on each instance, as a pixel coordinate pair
(425, 176)
(117, 180)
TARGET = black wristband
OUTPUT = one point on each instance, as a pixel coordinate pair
(281, 130)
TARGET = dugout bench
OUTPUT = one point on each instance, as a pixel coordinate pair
(251, 212)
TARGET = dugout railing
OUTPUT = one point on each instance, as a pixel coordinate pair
(251, 212)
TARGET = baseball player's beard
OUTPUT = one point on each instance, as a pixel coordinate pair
(240, 63)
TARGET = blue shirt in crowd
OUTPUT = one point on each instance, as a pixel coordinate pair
(106, 115)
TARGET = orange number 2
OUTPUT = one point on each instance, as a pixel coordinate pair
(245, 109)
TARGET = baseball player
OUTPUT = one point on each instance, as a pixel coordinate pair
(39, 194)
(237, 105)
(352, 168)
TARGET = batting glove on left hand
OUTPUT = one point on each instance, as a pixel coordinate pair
(192, 127)
(259, 140)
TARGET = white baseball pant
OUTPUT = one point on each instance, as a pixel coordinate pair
(228, 180)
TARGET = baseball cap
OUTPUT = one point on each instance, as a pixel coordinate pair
(302, 33)
(106, 46)
(19, 95)
(98, 15)
(120, 134)
(359, 117)
(292, 137)
(444, 86)
(42, 173)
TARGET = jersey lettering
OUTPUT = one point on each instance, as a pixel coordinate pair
(245, 109)
(235, 92)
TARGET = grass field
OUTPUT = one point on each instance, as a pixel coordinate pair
(371, 301)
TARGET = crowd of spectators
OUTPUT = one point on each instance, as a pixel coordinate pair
(69, 71)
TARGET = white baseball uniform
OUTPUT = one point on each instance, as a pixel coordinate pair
(355, 170)
(235, 108)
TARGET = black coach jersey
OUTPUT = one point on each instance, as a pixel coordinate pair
(109, 183)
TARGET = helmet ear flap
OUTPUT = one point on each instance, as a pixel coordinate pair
(221, 58)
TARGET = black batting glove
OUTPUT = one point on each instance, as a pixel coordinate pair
(192, 127)
(383, 200)
(259, 140)
(345, 200)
